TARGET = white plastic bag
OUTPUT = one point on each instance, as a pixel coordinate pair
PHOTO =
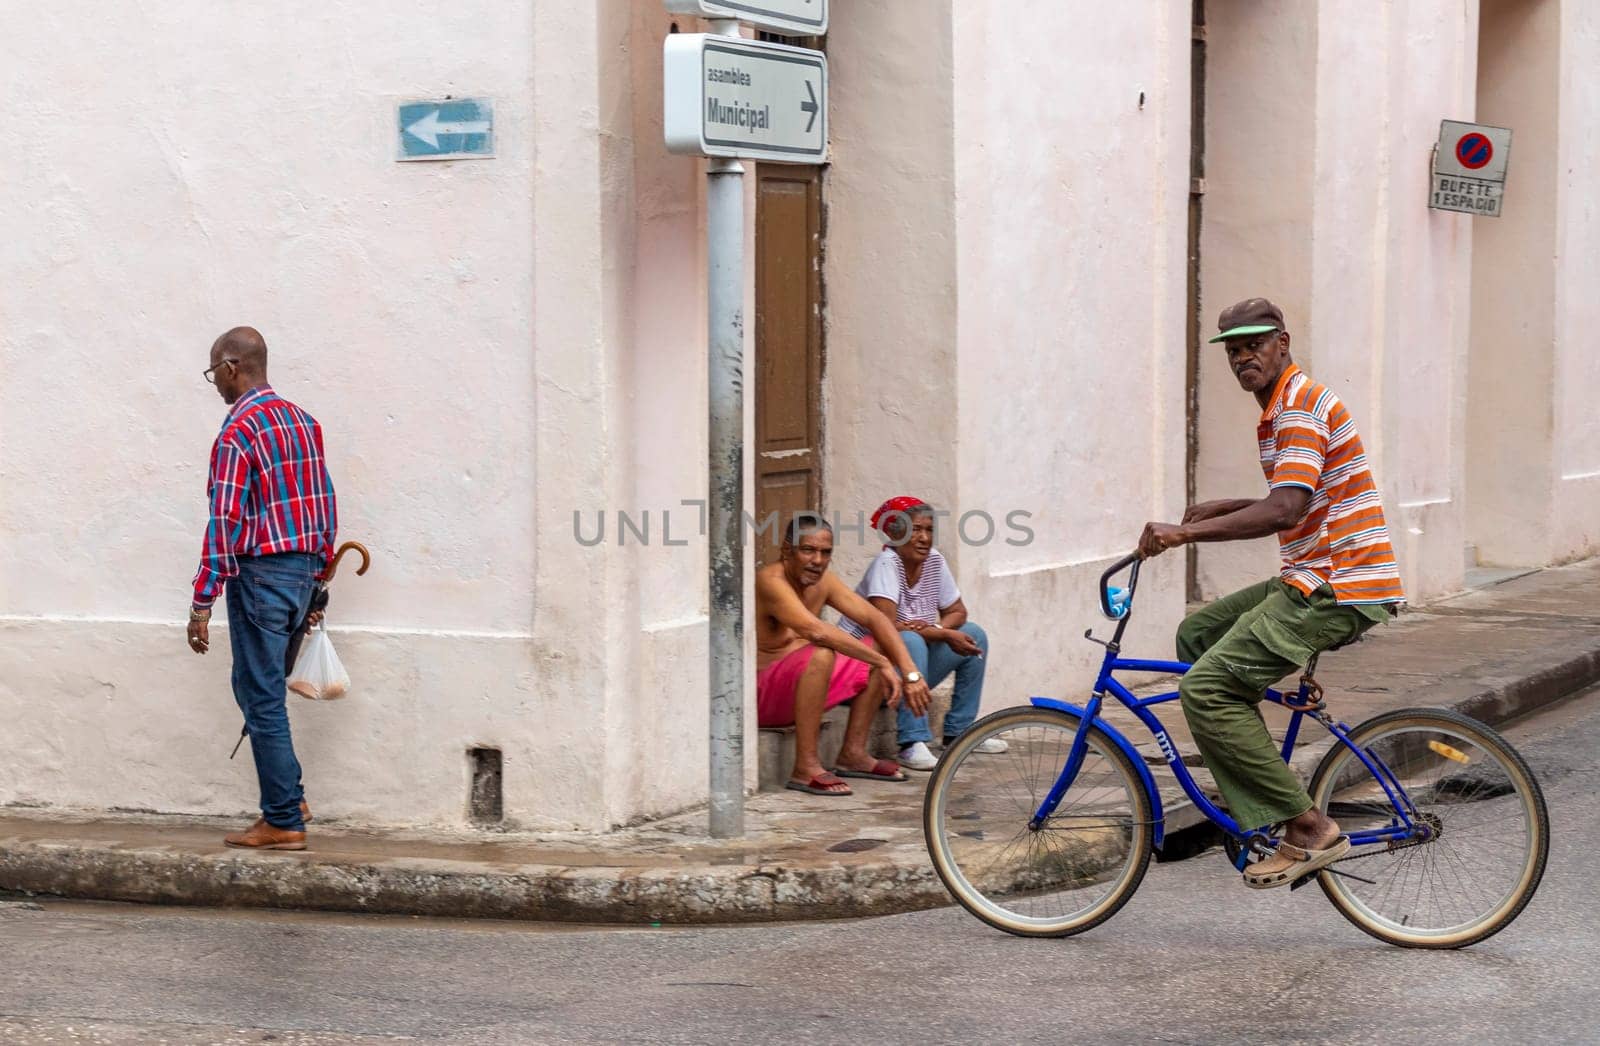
(317, 672)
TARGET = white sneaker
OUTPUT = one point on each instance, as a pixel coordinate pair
(993, 746)
(916, 756)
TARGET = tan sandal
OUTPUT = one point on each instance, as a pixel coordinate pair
(1289, 862)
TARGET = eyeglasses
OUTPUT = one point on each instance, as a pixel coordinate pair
(210, 373)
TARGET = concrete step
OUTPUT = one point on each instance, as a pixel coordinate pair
(775, 745)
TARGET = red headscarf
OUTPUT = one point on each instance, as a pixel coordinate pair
(898, 504)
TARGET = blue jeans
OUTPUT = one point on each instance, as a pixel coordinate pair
(936, 661)
(266, 602)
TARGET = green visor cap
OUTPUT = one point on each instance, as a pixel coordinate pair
(1240, 332)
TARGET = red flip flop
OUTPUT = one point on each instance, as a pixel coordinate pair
(822, 784)
(882, 770)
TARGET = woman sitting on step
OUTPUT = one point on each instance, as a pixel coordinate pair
(910, 582)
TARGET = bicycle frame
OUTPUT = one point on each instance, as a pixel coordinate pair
(1106, 683)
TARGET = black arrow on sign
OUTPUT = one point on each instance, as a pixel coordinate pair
(810, 107)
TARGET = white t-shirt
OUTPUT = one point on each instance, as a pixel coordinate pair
(886, 579)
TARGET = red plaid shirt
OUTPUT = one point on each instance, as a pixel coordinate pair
(269, 490)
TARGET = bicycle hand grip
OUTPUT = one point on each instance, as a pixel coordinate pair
(1121, 607)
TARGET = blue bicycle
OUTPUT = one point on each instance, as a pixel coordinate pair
(1448, 827)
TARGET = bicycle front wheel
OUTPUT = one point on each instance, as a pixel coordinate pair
(1069, 874)
(1488, 832)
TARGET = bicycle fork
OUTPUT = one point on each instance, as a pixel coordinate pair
(1069, 770)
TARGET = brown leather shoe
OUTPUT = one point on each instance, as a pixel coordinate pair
(305, 814)
(263, 836)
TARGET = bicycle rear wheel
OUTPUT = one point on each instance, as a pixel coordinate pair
(1489, 831)
(1072, 873)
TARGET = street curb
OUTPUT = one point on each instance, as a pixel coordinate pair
(449, 889)
(704, 894)
(1546, 686)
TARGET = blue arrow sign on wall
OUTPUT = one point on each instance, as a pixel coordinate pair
(454, 129)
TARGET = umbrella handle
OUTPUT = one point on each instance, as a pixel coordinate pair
(366, 559)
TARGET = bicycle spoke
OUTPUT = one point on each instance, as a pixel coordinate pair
(1480, 832)
(1022, 879)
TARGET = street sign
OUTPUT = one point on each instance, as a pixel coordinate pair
(1474, 150)
(1469, 168)
(793, 17)
(745, 98)
(453, 129)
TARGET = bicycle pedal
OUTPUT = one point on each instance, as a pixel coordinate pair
(1302, 881)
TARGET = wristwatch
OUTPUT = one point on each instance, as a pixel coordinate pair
(913, 677)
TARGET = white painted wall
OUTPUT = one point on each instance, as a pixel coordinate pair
(471, 335)
(1534, 476)
(196, 178)
(1070, 215)
(892, 423)
(656, 726)
(1576, 515)
(1408, 395)
(1509, 440)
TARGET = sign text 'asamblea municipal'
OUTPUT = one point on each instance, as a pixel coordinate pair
(726, 96)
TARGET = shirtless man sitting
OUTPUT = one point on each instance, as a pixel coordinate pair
(805, 666)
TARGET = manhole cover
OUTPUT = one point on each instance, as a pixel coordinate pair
(855, 846)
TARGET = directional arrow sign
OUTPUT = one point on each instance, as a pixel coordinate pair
(745, 98)
(453, 129)
(794, 17)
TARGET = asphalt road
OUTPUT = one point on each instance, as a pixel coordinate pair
(1194, 958)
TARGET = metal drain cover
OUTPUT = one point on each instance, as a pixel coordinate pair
(855, 846)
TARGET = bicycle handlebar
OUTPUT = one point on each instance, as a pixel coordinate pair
(1133, 559)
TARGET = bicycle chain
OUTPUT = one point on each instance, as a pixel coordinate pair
(1391, 848)
(1435, 830)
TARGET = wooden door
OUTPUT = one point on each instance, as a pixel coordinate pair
(788, 346)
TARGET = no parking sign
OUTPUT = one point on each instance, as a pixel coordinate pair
(1469, 168)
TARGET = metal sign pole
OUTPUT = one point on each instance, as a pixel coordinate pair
(733, 99)
(725, 372)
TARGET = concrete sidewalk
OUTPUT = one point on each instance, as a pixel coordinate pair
(1495, 653)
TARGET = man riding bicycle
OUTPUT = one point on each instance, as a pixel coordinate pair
(1339, 578)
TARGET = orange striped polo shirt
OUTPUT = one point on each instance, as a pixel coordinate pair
(1308, 440)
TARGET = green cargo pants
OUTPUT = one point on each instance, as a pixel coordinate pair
(1239, 646)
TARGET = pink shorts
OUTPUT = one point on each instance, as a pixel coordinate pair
(775, 685)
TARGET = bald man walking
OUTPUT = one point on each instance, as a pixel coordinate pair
(271, 531)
